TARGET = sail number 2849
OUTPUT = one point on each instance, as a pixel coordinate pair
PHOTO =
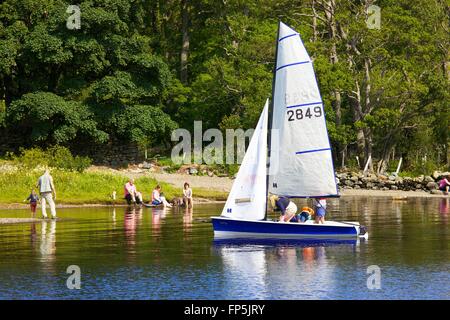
(300, 113)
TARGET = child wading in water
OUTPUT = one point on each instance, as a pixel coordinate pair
(34, 198)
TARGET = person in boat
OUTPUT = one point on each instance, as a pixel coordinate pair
(187, 195)
(321, 210)
(444, 184)
(131, 194)
(305, 215)
(285, 205)
(158, 197)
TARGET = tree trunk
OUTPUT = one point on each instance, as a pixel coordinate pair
(367, 107)
(185, 42)
(368, 147)
(314, 20)
(332, 32)
(385, 158)
(334, 56)
(2, 92)
(53, 78)
(154, 14)
(355, 103)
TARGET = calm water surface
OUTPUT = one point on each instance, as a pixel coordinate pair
(155, 254)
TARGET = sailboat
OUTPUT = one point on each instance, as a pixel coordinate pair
(291, 158)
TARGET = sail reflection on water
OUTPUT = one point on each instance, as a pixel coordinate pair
(245, 271)
(261, 266)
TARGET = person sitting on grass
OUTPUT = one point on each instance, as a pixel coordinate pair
(131, 194)
(444, 184)
(158, 198)
(187, 195)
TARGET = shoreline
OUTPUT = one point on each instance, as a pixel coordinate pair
(394, 195)
(389, 193)
(19, 206)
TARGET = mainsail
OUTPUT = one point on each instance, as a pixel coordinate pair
(247, 199)
(301, 163)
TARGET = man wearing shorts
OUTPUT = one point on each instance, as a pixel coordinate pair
(321, 210)
(287, 207)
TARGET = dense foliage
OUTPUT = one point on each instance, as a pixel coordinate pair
(136, 70)
(54, 157)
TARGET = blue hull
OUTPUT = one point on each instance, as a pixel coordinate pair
(306, 242)
(230, 228)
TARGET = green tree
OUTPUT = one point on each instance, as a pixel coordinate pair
(48, 118)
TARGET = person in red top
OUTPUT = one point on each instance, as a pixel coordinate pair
(444, 184)
(131, 194)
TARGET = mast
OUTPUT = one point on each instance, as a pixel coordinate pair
(269, 120)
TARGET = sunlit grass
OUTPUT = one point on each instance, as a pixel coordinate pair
(88, 187)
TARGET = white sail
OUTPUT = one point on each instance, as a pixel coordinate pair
(301, 163)
(247, 199)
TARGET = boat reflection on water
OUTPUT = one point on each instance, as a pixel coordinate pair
(307, 242)
(255, 268)
(245, 270)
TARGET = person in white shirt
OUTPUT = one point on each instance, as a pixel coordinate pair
(158, 198)
(48, 193)
(187, 195)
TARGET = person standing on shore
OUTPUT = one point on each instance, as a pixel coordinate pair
(48, 193)
(34, 198)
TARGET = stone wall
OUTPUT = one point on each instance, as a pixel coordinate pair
(112, 154)
(353, 180)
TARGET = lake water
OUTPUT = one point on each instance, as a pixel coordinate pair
(155, 254)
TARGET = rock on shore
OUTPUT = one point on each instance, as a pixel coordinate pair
(357, 180)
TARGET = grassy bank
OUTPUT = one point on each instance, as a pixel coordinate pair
(87, 187)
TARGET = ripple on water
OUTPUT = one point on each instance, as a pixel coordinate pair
(145, 254)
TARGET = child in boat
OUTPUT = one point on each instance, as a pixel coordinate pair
(287, 207)
(321, 210)
(305, 215)
(34, 198)
(158, 198)
(444, 184)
